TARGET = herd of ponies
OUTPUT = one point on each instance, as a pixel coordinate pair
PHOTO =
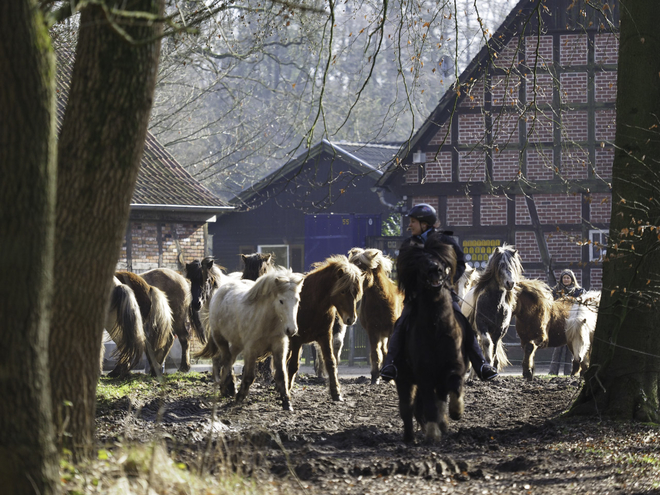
(267, 310)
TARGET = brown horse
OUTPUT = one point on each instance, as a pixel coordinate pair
(332, 288)
(381, 303)
(540, 320)
(156, 316)
(125, 327)
(177, 289)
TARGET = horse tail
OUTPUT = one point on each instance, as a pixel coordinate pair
(159, 324)
(196, 324)
(502, 358)
(126, 331)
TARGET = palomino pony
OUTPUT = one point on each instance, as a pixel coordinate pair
(125, 327)
(488, 305)
(156, 315)
(435, 366)
(257, 319)
(332, 288)
(381, 303)
(542, 321)
(177, 289)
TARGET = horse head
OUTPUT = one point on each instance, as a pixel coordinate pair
(431, 267)
(508, 266)
(256, 264)
(347, 289)
(287, 299)
(203, 281)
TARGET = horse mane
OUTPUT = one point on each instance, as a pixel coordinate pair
(277, 281)
(348, 275)
(506, 254)
(372, 261)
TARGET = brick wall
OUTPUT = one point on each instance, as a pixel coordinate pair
(575, 126)
(605, 125)
(605, 86)
(474, 95)
(431, 200)
(505, 165)
(471, 166)
(459, 211)
(539, 124)
(522, 212)
(528, 247)
(564, 247)
(440, 170)
(573, 49)
(606, 48)
(596, 279)
(538, 51)
(604, 162)
(574, 163)
(412, 175)
(471, 128)
(505, 90)
(600, 205)
(540, 164)
(573, 87)
(539, 88)
(146, 253)
(493, 210)
(442, 136)
(558, 208)
(505, 129)
(508, 55)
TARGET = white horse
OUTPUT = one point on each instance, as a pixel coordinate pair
(257, 319)
(580, 327)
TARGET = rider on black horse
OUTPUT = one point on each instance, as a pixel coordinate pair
(422, 223)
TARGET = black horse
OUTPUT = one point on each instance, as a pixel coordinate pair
(435, 365)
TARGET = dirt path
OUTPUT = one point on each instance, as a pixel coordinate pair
(507, 441)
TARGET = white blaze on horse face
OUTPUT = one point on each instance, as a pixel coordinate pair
(507, 276)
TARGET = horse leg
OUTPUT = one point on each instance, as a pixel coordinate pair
(184, 365)
(248, 377)
(293, 362)
(376, 355)
(456, 403)
(281, 382)
(156, 357)
(432, 422)
(331, 367)
(528, 361)
(404, 390)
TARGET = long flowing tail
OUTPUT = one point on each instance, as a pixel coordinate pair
(502, 358)
(124, 324)
(210, 349)
(159, 326)
(197, 326)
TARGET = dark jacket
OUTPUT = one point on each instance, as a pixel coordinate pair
(573, 289)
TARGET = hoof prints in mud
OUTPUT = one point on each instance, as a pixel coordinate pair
(430, 468)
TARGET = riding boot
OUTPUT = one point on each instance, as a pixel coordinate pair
(472, 349)
(395, 347)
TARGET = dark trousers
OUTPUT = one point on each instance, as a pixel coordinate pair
(471, 346)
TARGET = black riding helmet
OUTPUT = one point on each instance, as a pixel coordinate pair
(424, 213)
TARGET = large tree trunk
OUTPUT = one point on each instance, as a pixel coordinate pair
(100, 148)
(623, 379)
(28, 460)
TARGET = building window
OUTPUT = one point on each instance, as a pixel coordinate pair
(281, 252)
(598, 244)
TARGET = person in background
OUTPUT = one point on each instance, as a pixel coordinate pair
(422, 220)
(567, 286)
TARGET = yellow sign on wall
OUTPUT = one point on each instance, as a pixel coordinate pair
(477, 251)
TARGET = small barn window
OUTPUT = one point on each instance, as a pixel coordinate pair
(598, 244)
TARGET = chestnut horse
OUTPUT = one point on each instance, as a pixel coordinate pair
(381, 303)
(332, 288)
(542, 321)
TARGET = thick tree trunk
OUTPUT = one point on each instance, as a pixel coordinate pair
(28, 460)
(100, 148)
(622, 381)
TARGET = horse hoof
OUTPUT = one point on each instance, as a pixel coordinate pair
(456, 406)
(338, 398)
(184, 369)
(287, 407)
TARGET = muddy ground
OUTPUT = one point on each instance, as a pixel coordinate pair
(510, 440)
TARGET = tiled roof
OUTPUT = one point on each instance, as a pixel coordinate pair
(161, 181)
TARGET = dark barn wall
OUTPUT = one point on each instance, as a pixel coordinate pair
(277, 215)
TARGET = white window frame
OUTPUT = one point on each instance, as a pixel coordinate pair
(597, 238)
(269, 248)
